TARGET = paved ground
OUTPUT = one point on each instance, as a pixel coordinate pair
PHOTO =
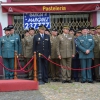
(57, 91)
(22, 95)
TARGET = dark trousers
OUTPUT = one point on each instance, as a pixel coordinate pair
(97, 69)
(93, 70)
(44, 69)
(9, 63)
(76, 65)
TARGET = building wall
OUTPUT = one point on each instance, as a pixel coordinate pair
(98, 18)
(3, 19)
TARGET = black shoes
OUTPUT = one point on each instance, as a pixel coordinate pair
(83, 81)
(66, 81)
(90, 82)
(87, 81)
(56, 80)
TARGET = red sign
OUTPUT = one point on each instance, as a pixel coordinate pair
(53, 8)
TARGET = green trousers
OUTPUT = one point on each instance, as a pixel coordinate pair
(86, 74)
(9, 63)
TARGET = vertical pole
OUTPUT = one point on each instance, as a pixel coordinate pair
(15, 65)
(40, 71)
(35, 67)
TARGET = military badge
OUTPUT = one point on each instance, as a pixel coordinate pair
(38, 42)
(39, 39)
(61, 38)
(69, 38)
(90, 39)
(46, 39)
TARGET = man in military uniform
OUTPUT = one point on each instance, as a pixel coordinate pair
(16, 37)
(8, 46)
(65, 52)
(85, 43)
(47, 31)
(92, 31)
(71, 31)
(55, 70)
(28, 50)
(97, 53)
(75, 60)
(41, 44)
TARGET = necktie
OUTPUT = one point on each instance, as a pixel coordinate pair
(42, 36)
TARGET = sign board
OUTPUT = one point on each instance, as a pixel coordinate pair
(36, 19)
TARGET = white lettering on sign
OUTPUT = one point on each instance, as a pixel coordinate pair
(36, 19)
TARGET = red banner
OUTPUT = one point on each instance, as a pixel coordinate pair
(51, 9)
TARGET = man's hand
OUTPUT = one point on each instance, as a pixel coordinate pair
(59, 57)
(87, 51)
(0, 56)
(49, 57)
(73, 56)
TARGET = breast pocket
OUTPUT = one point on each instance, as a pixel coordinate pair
(2, 42)
(12, 41)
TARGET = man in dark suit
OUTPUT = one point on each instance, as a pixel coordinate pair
(41, 44)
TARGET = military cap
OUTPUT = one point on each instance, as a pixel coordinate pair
(78, 31)
(97, 27)
(42, 27)
(71, 29)
(66, 27)
(92, 28)
(10, 26)
(47, 29)
(82, 28)
(26, 31)
(7, 29)
(54, 29)
(31, 28)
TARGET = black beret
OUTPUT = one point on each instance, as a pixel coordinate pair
(54, 29)
(31, 28)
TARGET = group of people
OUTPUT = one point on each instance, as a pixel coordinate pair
(70, 49)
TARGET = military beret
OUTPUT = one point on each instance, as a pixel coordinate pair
(71, 29)
(10, 26)
(47, 29)
(92, 28)
(26, 31)
(82, 28)
(66, 27)
(97, 27)
(7, 29)
(31, 28)
(42, 27)
(78, 31)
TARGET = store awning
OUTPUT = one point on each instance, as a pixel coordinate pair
(87, 6)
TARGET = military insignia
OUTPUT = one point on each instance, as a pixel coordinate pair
(11, 40)
(81, 40)
(61, 38)
(39, 39)
(46, 39)
(38, 42)
(69, 38)
(90, 39)
(3, 41)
